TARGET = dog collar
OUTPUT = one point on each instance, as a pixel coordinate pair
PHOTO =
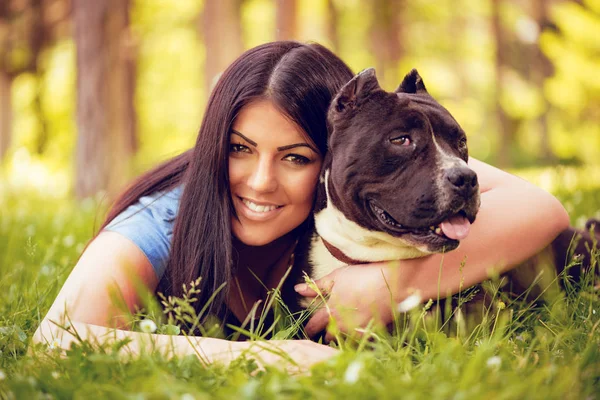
(338, 254)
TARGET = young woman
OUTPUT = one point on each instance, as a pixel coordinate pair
(230, 210)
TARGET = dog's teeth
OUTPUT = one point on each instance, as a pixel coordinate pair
(438, 230)
(432, 228)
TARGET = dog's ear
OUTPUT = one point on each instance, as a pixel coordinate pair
(360, 86)
(412, 83)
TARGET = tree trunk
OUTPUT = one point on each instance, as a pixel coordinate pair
(6, 78)
(5, 112)
(285, 20)
(130, 60)
(506, 137)
(542, 70)
(385, 37)
(332, 25)
(103, 109)
(221, 24)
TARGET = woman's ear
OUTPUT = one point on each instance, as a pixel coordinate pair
(359, 87)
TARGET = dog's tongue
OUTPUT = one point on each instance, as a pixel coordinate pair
(456, 227)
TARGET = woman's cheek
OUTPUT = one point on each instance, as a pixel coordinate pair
(306, 185)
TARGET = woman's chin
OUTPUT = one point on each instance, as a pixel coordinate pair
(253, 237)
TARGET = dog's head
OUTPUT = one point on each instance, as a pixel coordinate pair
(398, 164)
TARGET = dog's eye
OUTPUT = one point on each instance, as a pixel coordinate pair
(462, 143)
(401, 141)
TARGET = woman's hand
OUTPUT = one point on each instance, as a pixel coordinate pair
(295, 356)
(357, 295)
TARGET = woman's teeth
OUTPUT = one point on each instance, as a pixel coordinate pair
(258, 208)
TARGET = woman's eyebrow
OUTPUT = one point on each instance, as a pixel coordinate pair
(282, 148)
(291, 146)
(252, 142)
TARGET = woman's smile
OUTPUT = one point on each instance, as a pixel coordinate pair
(257, 211)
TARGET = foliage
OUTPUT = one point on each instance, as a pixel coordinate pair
(453, 50)
(520, 349)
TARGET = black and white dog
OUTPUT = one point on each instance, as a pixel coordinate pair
(395, 183)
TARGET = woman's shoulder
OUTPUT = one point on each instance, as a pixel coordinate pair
(149, 224)
(164, 203)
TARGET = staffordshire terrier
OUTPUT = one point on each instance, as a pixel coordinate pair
(395, 183)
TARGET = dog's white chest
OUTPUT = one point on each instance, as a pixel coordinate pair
(354, 241)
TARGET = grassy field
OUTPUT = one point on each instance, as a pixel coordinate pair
(520, 350)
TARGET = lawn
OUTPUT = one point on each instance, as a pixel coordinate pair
(519, 350)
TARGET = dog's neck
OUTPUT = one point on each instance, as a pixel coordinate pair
(339, 255)
(341, 241)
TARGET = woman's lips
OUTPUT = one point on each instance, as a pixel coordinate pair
(257, 211)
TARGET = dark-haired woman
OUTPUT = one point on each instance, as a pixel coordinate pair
(230, 211)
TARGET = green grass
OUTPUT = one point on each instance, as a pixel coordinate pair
(545, 350)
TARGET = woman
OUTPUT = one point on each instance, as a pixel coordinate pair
(230, 211)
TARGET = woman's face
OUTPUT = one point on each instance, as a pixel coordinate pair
(273, 172)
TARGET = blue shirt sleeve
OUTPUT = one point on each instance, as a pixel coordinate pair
(149, 224)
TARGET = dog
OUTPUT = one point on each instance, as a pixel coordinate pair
(395, 183)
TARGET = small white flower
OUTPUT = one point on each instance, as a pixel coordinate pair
(148, 326)
(30, 230)
(352, 373)
(594, 312)
(187, 396)
(54, 344)
(69, 241)
(46, 270)
(55, 375)
(494, 362)
(2, 375)
(410, 302)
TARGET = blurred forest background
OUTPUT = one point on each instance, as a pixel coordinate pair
(93, 92)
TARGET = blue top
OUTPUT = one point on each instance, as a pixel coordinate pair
(149, 224)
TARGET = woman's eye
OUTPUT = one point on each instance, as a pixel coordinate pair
(238, 148)
(297, 159)
(402, 141)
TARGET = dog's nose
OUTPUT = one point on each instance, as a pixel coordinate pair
(462, 178)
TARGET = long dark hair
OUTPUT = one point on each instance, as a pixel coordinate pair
(301, 80)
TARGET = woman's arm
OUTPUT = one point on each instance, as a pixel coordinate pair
(516, 220)
(292, 355)
(114, 264)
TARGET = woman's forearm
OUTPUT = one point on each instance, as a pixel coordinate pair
(292, 355)
(208, 350)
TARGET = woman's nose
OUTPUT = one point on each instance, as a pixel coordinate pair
(263, 177)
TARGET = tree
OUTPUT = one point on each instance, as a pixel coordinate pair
(5, 80)
(385, 35)
(25, 32)
(222, 29)
(5, 112)
(500, 63)
(105, 108)
(285, 19)
(542, 70)
(332, 25)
